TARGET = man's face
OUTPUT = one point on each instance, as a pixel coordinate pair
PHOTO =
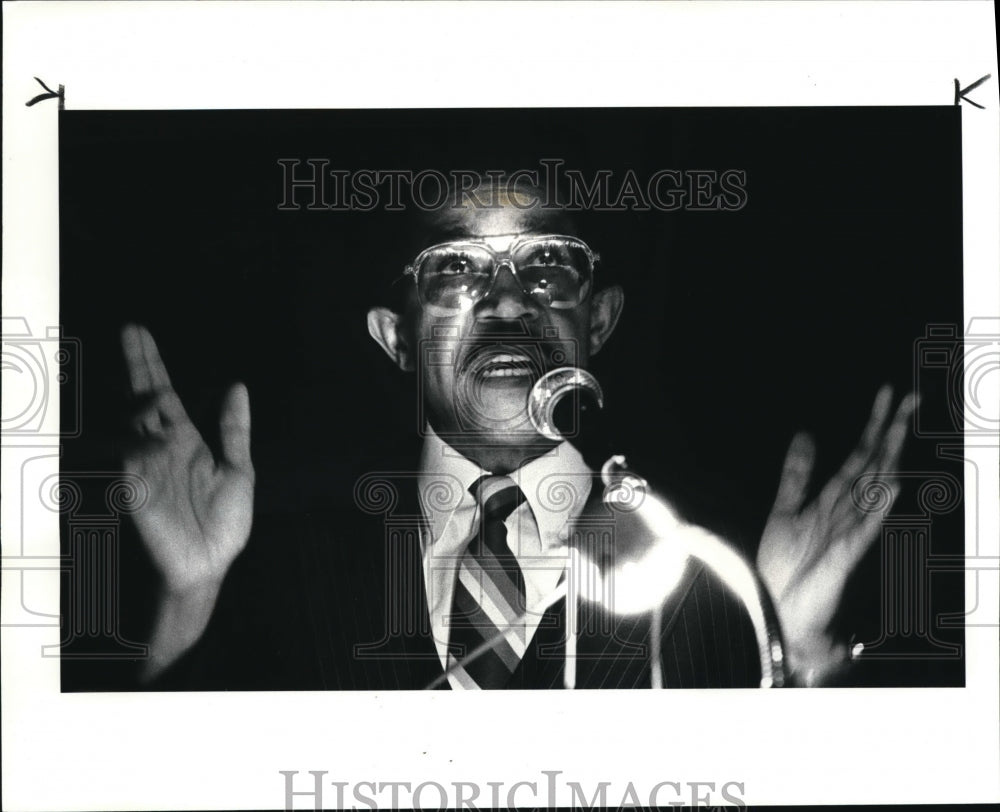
(476, 366)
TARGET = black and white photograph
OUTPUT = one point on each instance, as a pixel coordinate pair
(403, 305)
(496, 399)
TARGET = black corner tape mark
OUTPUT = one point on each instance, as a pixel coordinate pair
(50, 94)
(961, 92)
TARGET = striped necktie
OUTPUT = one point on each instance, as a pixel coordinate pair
(489, 592)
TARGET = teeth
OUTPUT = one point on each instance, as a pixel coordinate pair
(505, 365)
(507, 372)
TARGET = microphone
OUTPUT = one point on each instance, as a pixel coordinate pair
(567, 404)
(651, 542)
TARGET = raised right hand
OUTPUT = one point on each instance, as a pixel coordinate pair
(199, 511)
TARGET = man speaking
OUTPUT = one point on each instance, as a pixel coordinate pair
(468, 545)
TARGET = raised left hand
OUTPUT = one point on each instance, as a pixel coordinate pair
(808, 552)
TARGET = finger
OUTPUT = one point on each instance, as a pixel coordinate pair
(862, 456)
(136, 450)
(880, 411)
(895, 437)
(235, 428)
(172, 411)
(146, 422)
(135, 360)
(157, 371)
(860, 537)
(156, 411)
(870, 435)
(886, 462)
(795, 474)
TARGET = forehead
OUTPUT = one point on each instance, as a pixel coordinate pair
(516, 214)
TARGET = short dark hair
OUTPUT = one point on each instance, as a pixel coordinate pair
(394, 291)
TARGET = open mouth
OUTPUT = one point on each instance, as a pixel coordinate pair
(507, 365)
(504, 364)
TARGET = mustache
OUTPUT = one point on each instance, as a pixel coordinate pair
(506, 328)
(537, 343)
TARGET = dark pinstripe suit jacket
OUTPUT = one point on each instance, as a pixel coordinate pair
(335, 601)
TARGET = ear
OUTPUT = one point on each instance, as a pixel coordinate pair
(605, 308)
(386, 327)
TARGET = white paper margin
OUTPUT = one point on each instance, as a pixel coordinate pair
(186, 751)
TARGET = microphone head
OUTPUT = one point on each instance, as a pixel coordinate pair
(553, 414)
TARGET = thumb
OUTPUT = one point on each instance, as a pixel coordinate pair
(235, 427)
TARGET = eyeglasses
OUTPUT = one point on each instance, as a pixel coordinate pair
(555, 270)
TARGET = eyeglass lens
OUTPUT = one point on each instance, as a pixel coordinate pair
(557, 272)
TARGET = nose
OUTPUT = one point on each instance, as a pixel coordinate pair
(506, 299)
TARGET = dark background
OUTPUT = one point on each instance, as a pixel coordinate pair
(739, 327)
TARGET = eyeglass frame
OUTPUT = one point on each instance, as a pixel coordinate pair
(501, 258)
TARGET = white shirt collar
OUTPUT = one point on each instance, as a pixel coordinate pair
(556, 485)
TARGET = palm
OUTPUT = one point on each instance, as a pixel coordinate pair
(807, 552)
(805, 569)
(199, 510)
